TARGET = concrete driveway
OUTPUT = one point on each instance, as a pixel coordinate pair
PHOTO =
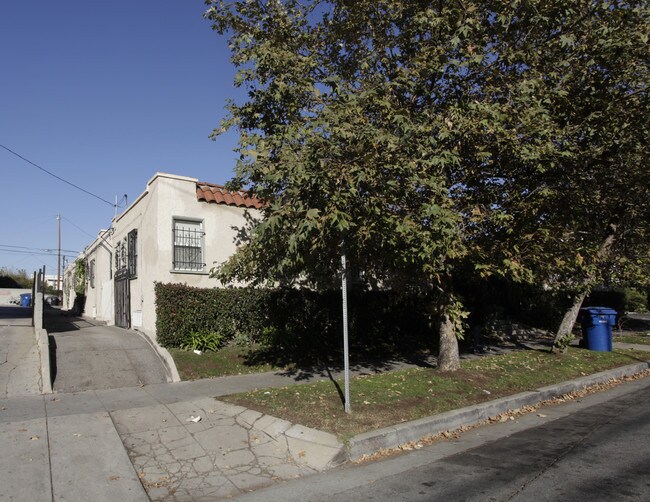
(89, 355)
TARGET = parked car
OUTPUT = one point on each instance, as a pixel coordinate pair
(52, 300)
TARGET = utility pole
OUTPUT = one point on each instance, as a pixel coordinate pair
(58, 261)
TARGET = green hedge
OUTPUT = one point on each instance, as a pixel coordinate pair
(305, 321)
(620, 299)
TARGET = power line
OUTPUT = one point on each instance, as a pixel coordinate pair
(47, 250)
(34, 253)
(78, 228)
(57, 177)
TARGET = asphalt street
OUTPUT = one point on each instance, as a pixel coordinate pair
(588, 450)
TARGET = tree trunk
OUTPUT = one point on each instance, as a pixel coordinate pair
(448, 358)
(562, 337)
(564, 331)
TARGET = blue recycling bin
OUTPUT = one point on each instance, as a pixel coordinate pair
(25, 299)
(597, 323)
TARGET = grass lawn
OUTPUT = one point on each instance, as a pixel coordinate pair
(634, 338)
(229, 360)
(386, 399)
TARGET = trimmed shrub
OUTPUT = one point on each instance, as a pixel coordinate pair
(294, 321)
(612, 298)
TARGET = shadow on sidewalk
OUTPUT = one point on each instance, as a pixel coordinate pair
(62, 321)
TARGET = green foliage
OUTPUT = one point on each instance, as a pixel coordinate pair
(424, 136)
(620, 299)
(635, 300)
(80, 276)
(181, 309)
(17, 279)
(202, 340)
(292, 322)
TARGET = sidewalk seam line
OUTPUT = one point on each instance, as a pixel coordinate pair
(49, 448)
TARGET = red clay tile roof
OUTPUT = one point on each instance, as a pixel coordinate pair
(217, 194)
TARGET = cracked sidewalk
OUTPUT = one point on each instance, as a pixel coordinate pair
(230, 451)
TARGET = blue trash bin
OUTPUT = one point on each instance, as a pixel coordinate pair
(25, 299)
(597, 325)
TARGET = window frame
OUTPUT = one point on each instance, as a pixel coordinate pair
(201, 230)
(132, 253)
(91, 273)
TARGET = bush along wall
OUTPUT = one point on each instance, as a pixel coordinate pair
(295, 320)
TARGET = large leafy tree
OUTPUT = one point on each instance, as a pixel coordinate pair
(568, 145)
(423, 136)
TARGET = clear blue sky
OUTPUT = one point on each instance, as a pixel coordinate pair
(103, 94)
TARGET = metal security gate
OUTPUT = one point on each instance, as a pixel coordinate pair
(122, 299)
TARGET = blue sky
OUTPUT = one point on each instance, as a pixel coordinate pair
(103, 94)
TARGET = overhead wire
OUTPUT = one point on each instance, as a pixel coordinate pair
(35, 253)
(112, 204)
(77, 227)
(47, 250)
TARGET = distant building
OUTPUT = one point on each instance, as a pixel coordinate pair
(52, 281)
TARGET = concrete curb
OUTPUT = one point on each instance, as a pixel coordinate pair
(392, 437)
(164, 356)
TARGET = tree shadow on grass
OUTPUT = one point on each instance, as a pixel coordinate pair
(304, 358)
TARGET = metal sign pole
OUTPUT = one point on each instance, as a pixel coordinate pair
(346, 353)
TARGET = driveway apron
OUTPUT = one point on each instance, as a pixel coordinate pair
(89, 355)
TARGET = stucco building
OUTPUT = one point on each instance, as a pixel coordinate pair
(174, 232)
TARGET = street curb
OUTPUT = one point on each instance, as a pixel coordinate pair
(371, 442)
(164, 356)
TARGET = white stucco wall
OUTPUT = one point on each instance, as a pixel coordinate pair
(8, 294)
(99, 293)
(168, 197)
(68, 286)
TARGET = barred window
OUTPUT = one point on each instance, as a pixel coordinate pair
(91, 273)
(133, 253)
(121, 253)
(188, 245)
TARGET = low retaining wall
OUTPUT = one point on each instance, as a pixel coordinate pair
(6, 294)
(43, 341)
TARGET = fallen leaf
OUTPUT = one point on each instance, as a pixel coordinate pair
(113, 478)
(302, 454)
(22, 430)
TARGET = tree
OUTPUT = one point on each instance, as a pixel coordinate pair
(18, 279)
(426, 136)
(568, 145)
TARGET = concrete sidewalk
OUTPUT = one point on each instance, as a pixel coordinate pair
(20, 362)
(145, 443)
